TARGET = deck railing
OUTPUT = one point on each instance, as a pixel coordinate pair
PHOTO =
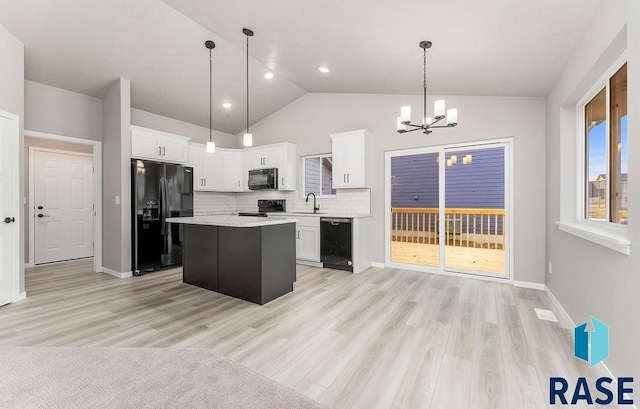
(478, 228)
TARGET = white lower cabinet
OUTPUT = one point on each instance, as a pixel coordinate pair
(307, 237)
(308, 243)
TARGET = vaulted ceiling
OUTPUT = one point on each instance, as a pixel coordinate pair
(492, 47)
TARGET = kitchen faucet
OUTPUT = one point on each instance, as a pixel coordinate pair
(315, 208)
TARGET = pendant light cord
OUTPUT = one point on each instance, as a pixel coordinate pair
(248, 84)
(424, 86)
(210, 92)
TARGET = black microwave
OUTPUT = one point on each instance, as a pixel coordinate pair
(263, 179)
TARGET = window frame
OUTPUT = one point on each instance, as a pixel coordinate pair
(303, 179)
(581, 170)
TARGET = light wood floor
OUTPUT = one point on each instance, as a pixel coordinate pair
(384, 338)
(456, 257)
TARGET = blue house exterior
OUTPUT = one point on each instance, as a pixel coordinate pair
(478, 184)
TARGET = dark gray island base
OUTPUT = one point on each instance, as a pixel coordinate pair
(255, 264)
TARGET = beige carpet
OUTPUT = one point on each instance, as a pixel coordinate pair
(33, 377)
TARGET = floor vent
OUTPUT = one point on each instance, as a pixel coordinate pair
(546, 315)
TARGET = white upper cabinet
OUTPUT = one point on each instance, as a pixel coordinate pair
(212, 170)
(160, 146)
(348, 151)
(233, 174)
(287, 167)
(194, 159)
(215, 172)
(262, 158)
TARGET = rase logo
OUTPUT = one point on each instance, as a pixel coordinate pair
(599, 350)
(592, 347)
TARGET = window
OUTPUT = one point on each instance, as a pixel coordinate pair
(605, 146)
(316, 175)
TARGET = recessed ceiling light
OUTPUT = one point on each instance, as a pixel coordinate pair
(324, 70)
(227, 105)
(269, 75)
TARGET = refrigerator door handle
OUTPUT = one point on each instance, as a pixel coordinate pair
(135, 220)
(162, 207)
(166, 205)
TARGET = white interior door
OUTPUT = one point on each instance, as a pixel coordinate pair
(9, 235)
(63, 206)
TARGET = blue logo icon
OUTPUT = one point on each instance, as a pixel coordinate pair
(592, 347)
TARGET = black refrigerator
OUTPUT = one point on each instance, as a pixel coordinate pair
(158, 191)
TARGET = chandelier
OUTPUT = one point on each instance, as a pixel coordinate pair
(404, 120)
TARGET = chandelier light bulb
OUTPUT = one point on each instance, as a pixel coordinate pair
(405, 114)
(452, 117)
(439, 109)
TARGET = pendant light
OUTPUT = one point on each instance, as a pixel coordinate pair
(211, 145)
(247, 139)
(428, 124)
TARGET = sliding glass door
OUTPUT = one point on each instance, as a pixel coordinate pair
(475, 192)
(415, 195)
(448, 209)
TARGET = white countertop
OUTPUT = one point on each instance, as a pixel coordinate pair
(321, 214)
(230, 221)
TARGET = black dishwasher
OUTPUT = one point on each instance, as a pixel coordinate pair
(336, 243)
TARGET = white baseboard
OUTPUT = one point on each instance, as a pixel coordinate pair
(559, 306)
(116, 273)
(529, 284)
(21, 296)
(377, 264)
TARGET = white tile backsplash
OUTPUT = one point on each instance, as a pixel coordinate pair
(348, 201)
(213, 202)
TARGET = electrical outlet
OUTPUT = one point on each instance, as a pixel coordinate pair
(550, 268)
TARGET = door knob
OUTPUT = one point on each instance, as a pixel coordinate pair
(40, 215)
(40, 207)
(9, 219)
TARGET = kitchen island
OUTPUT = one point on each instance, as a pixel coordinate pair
(251, 258)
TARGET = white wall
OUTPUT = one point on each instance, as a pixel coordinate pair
(116, 178)
(57, 111)
(309, 120)
(12, 100)
(589, 279)
(196, 133)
